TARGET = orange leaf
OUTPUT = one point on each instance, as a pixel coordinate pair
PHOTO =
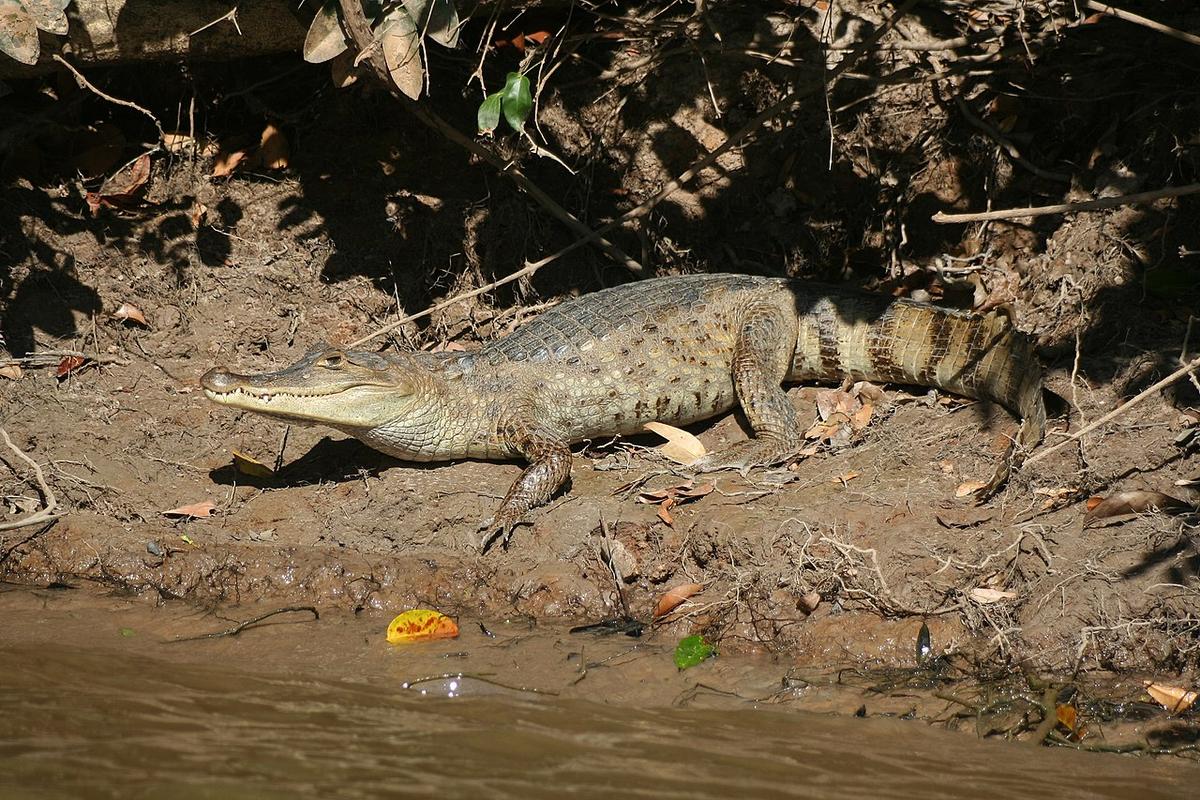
(664, 511)
(225, 163)
(969, 487)
(671, 598)
(1174, 699)
(199, 510)
(1137, 501)
(130, 313)
(273, 150)
(69, 365)
(419, 625)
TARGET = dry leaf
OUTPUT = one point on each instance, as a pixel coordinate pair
(1136, 501)
(969, 487)
(69, 366)
(121, 190)
(325, 39)
(809, 602)
(18, 34)
(1174, 699)
(178, 143)
(273, 149)
(226, 162)
(674, 596)
(402, 52)
(419, 625)
(681, 447)
(251, 466)
(199, 212)
(861, 418)
(1094, 501)
(199, 510)
(342, 70)
(846, 478)
(130, 313)
(679, 493)
(664, 511)
(982, 594)
(11, 371)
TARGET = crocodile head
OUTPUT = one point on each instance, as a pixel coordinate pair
(352, 390)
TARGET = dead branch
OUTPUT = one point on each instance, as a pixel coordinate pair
(1177, 375)
(1067, 208)
(241, 626)
(1129, 16)
(52, 358)
(86, 84)
(48, 511)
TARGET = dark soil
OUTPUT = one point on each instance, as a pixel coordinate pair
(376, 216)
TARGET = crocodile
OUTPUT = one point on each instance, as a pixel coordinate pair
(672, 349)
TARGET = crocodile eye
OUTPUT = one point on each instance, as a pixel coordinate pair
(334, 361)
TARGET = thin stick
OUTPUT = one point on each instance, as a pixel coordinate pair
(241, 626)
(1067, 208)
(1182, 372)
(360, 33)
(49, 358)
(231, 15)
(48, 512)
(647, 206)
(1129, 16)
(86, 84)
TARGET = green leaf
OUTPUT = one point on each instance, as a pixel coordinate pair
(517, 101)
(488, 118)
(691, 650)
(128, 632)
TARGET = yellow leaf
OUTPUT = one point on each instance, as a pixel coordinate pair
(419, 625)
(969, 487)
(681, 446)
(11, 371)
(1174, 699)
(250, 466)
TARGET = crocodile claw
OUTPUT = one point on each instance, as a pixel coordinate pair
(493, 530)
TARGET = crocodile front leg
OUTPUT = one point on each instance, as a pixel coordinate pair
(762, 355)
(549, 469)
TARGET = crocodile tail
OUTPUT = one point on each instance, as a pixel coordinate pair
(982, 356)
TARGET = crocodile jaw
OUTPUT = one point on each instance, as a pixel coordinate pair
(353, 403)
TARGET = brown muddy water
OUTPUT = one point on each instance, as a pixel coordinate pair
(96, 700)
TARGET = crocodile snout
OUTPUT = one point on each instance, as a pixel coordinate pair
(221, 380)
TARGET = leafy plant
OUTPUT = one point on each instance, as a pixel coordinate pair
(514, 101)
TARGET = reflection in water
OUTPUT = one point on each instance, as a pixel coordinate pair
(78, 722)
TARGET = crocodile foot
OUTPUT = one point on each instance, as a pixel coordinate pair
(499, 527)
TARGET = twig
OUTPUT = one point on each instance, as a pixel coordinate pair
(360, 33)
(1182, 372)
(1066, 208)
(52, 358)
(670, 188)
(1129, 16)
(241, 626)
(86, 84)
(230, 15)
(47, 512)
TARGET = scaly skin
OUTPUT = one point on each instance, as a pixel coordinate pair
(674, 350)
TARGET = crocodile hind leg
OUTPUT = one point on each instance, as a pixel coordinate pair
(762, 355)
(549, 469)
